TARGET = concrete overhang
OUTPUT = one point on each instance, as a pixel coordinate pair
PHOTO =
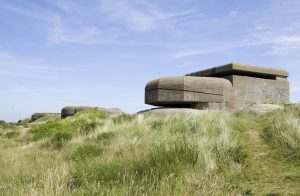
(240, 69)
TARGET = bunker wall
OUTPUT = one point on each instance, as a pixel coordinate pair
(259, 90)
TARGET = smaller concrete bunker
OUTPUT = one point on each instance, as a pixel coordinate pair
(190, 92)
(36, 116)
(72, 110)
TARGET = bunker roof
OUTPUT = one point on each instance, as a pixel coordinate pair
(240, 69)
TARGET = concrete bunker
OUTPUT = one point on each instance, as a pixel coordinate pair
(229, 86)
(72, 110)
(190, 92)
(36, 116)
(252, 84)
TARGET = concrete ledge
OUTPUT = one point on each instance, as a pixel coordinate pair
(240, 69)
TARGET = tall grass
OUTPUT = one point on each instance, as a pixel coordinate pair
(92, 154)
(283, 131)
(150, 155)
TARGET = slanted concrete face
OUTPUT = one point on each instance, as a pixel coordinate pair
(190, 92)
(72, 110)
(36, 116)
(252, 84)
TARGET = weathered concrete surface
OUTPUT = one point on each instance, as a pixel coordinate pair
(231, 86)
(258, 90)
(36, 116)
(190, 92)
(72, 110)
(252, 84)
(264, 108)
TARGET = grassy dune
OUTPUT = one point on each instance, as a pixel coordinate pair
(215, 153)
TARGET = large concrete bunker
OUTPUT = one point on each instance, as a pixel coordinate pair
(229, 86)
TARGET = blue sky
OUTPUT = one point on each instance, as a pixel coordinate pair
(55, 53)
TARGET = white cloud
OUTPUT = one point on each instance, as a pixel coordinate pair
(63, 28)
(30, 11)
(279, 44)
(138, 15)
(185, 64)
(213, 47)
(284, 45)
(61, 33)
(233, 13)
(19, 67)
(66, 6)
(81, 23)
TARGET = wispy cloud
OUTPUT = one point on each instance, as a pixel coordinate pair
(213, 47)
(67, 6)
(100, 21)
(284, 45)
(279, 45)
(185, 64)
(30, 10)
(233, 13)
(139, 16)
(20, 67)
(62, 27)
(61, 33)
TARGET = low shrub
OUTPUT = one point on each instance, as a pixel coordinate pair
(59, 139)
(86, 151)
(106, 136)
(123, 118)
(87, 126)
(105, 173)
(12, 134)
(51, 128)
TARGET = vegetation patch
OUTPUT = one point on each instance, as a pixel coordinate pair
(123, 118)
(12, 134)
(87, 151)
(83, 122)
(284, 134)
(215, 153)
(59, 139)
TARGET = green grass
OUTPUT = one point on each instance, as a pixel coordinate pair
(284, 134)
(86, 151)
(83, 122)
(12, 134)
(215, 153)
(48, 118)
